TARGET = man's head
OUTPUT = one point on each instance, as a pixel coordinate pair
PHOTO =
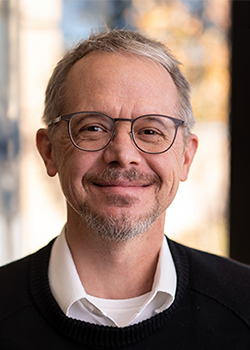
(120, 190)
(120, 41)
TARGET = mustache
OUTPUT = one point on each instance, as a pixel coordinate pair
(114, 174)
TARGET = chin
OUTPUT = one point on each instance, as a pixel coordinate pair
(118, 226)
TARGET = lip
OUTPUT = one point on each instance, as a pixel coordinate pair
(121, 188)
(121, 184)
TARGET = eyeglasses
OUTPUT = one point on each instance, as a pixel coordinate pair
(93, 131)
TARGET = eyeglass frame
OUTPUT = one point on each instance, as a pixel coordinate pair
(67, 117)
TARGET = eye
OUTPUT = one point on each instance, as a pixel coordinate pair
(92, 128)
(148, 132)
(90, 131)
(89, 127)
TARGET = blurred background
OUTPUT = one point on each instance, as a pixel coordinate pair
(34, 35)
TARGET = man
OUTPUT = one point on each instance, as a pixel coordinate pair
(118, 120)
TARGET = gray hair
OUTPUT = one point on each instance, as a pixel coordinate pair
(117, 41)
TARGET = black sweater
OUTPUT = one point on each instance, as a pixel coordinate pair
(211, 309)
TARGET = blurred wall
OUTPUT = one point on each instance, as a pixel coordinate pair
(41, 202)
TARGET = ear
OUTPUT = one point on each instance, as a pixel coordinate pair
(188, 156)
(44, 146)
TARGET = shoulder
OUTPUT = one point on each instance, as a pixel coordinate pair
(13, 274)
(222, 279)
(16, 271)
(222, 271)
(213, 266)
(15, 282)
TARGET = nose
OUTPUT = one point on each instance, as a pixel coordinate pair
(122, 149)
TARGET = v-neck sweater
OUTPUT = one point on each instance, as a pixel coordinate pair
(211, 309)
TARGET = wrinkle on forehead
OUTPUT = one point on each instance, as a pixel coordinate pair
(119, 76)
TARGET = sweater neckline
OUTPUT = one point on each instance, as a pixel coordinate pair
(95, 335)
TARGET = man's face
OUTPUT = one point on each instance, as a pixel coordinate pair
(120, 182)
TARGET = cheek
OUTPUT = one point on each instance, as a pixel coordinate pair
(168, 168)
(73, 164)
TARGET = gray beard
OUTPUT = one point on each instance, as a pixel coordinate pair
(123, 227)
(118, 229)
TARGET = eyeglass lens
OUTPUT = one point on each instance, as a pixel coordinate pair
(93, 131)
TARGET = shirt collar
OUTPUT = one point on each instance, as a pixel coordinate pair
(67, 288)
(64, 280)
(165, 276)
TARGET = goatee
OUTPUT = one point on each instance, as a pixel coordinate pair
(118, 228)
(125, 226)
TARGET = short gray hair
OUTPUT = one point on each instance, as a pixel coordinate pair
(117, 41)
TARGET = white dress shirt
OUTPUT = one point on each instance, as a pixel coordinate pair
(70, 295)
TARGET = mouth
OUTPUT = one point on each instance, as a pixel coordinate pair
(128, 182)
(121, 188)
(121, 184)
(122, 194)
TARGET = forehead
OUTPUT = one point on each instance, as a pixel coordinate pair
(118, 77)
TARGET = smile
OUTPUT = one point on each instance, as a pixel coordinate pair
(120, 184)
(121, 188)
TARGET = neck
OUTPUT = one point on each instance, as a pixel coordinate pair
(115, 270)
